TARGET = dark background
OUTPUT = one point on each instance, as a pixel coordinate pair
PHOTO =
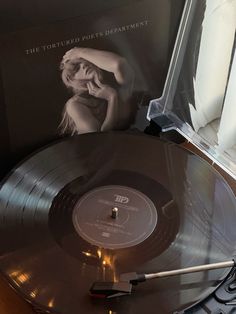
(28, 118)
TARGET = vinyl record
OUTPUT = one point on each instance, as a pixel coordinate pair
(92, 207)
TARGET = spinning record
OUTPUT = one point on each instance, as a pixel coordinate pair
(95, 206)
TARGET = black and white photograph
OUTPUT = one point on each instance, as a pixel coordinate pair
(93, 73)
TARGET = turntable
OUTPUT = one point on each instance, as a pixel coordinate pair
(125, 222)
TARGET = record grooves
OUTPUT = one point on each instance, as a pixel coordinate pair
(59, 235)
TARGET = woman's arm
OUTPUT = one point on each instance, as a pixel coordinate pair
(108, 93)
(112, 115)
(105, 60)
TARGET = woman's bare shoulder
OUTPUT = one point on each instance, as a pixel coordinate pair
(76, 99)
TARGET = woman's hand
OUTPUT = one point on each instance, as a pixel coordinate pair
(101, 91)
(74, 53)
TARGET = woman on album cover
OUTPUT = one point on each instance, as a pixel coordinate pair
(102, 84)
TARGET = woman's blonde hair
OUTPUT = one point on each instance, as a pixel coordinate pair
(70, 68)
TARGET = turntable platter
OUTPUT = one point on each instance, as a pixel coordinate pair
(94, 206)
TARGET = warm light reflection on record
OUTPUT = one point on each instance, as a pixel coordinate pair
(19, 277)
(99, 253)
(51, 303)
(34, 293)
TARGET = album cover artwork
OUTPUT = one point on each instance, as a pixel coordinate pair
(88, 74)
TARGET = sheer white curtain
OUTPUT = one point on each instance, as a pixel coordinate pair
(227, 129)
(214, 59)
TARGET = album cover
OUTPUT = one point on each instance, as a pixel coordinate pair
(93, 73)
